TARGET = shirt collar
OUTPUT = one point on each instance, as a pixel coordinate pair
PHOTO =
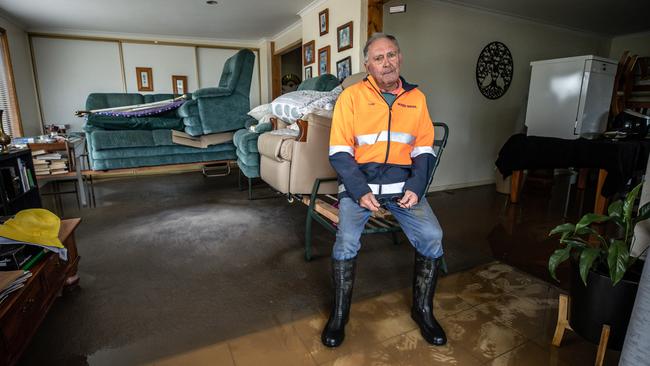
(396, 91)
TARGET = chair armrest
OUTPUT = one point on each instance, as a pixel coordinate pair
(269, 145)
(211, 92)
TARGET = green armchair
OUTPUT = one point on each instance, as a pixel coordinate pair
(224, 108)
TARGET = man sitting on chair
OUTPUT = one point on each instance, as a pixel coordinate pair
(381, 148)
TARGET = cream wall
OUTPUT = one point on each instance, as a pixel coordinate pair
(440, 43)
(340, 12)
(23, 76)
(164, 61)
(637, 44)
(69, 69)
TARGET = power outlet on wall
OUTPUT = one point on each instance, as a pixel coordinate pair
(397, 9)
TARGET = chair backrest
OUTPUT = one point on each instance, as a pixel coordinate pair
(324, 82)
(237, 72)
(439, 143)
(353, 79)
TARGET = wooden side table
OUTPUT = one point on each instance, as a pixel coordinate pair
(22, 313)
(74, 149)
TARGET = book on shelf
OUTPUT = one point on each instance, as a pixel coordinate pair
(37, 162)
(38, 152)
(58, 171)
(49, 156)
(58, 165)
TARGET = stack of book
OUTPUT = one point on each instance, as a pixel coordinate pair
(49, 163)
(11, 281)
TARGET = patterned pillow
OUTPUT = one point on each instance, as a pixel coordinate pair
(292, 106)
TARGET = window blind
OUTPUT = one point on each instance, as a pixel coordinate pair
(5, 104)
(7, 94)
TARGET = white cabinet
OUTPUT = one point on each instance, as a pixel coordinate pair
(570, 97)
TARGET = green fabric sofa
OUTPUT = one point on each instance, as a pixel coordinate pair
(121, 142)
(248, 157)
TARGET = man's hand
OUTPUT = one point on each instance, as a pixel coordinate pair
(369, 202)
(409, 200)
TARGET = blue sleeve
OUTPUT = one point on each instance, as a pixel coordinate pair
(351, 176)
(421, 170)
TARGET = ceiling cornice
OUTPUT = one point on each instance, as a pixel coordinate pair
(286, 30)
(149, 37)
(8, 17)
(313, 5)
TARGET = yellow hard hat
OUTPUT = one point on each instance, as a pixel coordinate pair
(34, 225)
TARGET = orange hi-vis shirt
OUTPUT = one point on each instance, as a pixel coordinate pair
(378, 147)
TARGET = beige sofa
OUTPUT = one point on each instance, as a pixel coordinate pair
(290, 165)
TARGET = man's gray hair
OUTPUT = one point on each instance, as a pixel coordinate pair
(375, 37)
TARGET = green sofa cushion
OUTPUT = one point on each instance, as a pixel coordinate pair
(118, 139)
(199, 156)
(137, 152)
(110, 100)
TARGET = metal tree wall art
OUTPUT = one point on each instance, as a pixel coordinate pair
(494, 70)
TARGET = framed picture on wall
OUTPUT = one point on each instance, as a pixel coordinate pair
(308, 51)
(344, 37)
(308, 74)
(324, 60)
(179, 84)
(324, 22)
(343, 68)
(144, 78)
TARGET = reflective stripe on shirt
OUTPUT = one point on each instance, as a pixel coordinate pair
(392, 188)
(403, 137)
(341, 148)
(422, 150)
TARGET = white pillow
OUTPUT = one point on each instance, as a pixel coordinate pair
(260, 111)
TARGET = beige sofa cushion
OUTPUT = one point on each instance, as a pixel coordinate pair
(286, 149)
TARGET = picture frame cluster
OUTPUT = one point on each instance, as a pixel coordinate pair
(344, 41)
(144, 81)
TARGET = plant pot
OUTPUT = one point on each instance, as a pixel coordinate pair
(600, 303)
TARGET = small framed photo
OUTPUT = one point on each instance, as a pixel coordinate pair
(324, 22)
(324, 60)
(308, 52)
(179, 84)
(308, 74)
(343, 68)
(145, 78)
(344, 37)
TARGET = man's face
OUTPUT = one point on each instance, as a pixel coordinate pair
(384, 61)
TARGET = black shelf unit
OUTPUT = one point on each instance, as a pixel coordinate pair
(18, 186)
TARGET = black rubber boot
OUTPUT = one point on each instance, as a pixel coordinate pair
(343, 278)
(424, 287)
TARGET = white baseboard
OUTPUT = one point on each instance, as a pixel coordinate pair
(448, 187)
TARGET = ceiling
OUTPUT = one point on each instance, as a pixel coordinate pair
(256, 19)
(229, 19)
(605, 17)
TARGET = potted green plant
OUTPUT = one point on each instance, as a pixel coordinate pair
(604, 275)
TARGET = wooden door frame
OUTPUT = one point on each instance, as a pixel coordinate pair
(276, 66)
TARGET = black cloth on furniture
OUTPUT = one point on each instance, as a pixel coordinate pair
(619, 158)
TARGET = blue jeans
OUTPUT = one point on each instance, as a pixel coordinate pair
(418, 223)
